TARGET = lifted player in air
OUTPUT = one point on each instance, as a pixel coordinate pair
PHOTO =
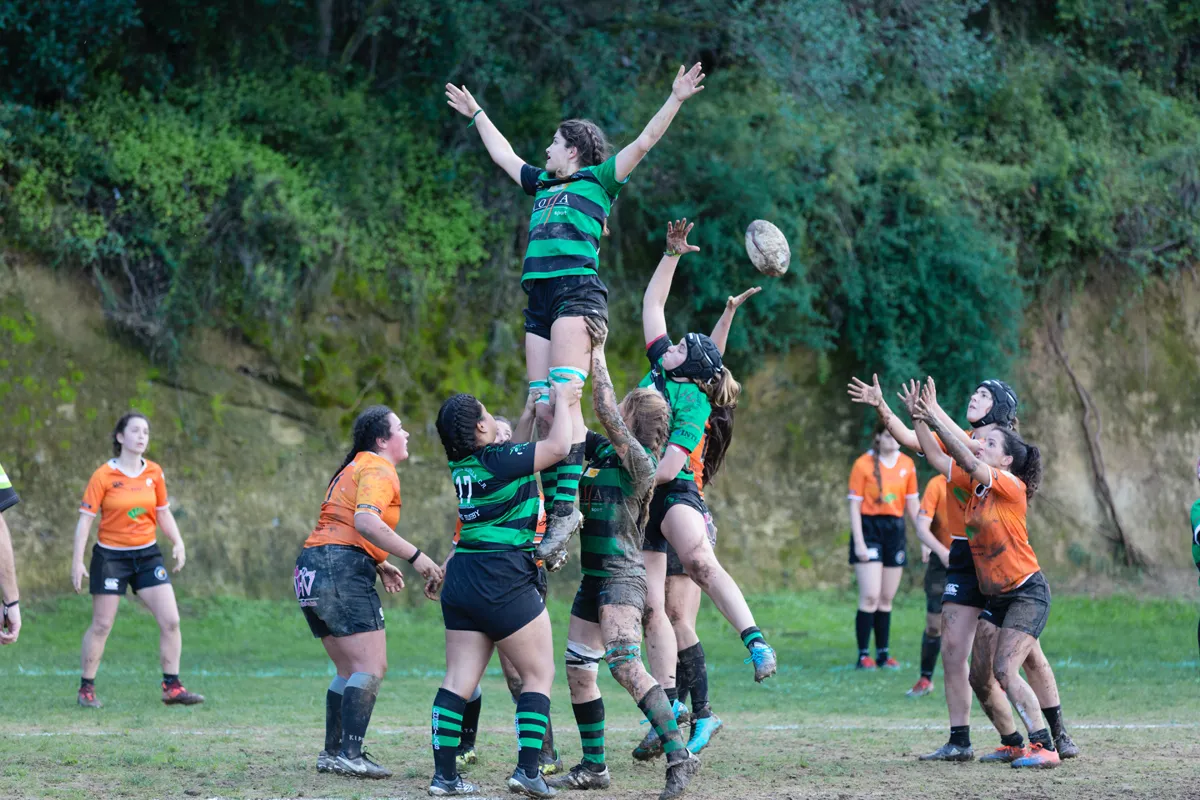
(606, 618)
(573, 196)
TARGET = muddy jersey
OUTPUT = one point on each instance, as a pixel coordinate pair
(367, 485)
(613, 497)
(996, 528)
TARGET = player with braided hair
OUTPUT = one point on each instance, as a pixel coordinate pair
(491, 596)
(335, 583)
(883, 491)
(573, 196)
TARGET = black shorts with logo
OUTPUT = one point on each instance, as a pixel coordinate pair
(595, 592)
(496, 593)
(674, 564)
(885, 540)
(962, 584)
(335, 586)
(564, 296)
(1026, 608)
(112, 570)
(935, 584)
(680, 491)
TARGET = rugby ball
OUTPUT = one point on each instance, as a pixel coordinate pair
(768, 248)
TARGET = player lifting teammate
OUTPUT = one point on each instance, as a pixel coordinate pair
(606, 617)
(129, 494)
(334, 581)
(490, 598)
(573, 196)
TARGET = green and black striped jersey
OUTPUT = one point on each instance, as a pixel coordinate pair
(8, 495)
(612, 496)
(568, 219)
(690, 410)
(497, 498)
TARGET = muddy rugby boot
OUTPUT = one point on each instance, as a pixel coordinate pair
(1037, 757)
(362, 767)
(583, 776)
(679, 775)
(465, 757)
(762, 656)
(443, 788)
(949, 752)
(176, 695)
(520, 783)
(325, 761)
(1004, 754)
(87, 698)
(1065, 746)
(703, 729)
(559, 530)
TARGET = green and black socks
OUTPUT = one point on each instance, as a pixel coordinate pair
(589, 718)
(566, 481)
(533, 717)
(657, 709)
(448, 711)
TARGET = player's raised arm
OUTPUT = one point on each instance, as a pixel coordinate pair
(872, 395)
(654, 300)
(687, 84)
(458, 98)
(720, 333)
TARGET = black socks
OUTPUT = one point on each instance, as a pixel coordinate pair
(930, 647)
(692, 665)
(863, 622)
(358, 701)
(333, 715)
(883, 627)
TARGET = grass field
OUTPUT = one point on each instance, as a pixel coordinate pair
(1127, 669)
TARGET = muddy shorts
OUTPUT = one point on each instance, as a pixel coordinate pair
(1026, 608)
(935, 584)
(885, 540)
(962, 584)
(550, 299)
(495, 593)
(595, 592)
(677, 492)
(112, 570)
(335, 587)
(674, 565)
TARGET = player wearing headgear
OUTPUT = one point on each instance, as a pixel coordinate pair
(606, 617)
(965, 661)
(1001, 478)
(334, 581)
(683, 594)
(703, 394)
(10, 621)
(129, 494)
(573, 196)
(883, 490)
(933, 530)
(490, 597)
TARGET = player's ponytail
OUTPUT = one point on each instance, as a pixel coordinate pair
(122, 423)
(723, 393)
(369, 427)
(879, 430)
(587, 138)
(456, 421)
(1026, 461)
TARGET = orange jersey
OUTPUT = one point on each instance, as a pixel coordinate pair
(367, 485)
(696, 463)
(935, 506)
(957, 499)
(127, 505)
(886, 496)
(996, 528)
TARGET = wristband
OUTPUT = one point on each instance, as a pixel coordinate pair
(671, 253)
(13, 603)
(415, 556)
(471, 124)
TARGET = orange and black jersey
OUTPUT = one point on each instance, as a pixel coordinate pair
(887, 494)
(367, 485)
(996, 528)
(935, 506)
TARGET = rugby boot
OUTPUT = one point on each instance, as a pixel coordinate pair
(1004, 754)
(325, 761)
(1065, 746)
(362, 767)
(1037, 757)
(865, 662)
(682, 715)
(920, 688)
(444, 788)
(762, 656)
(949, 752)
(679, 775)
(888, 663)
(651, 746)
(549, 763)
(703, 729)
(520, 783)
(559, 530)
(583, 776)
(87, 697)
(465, 757)
(175, 695)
